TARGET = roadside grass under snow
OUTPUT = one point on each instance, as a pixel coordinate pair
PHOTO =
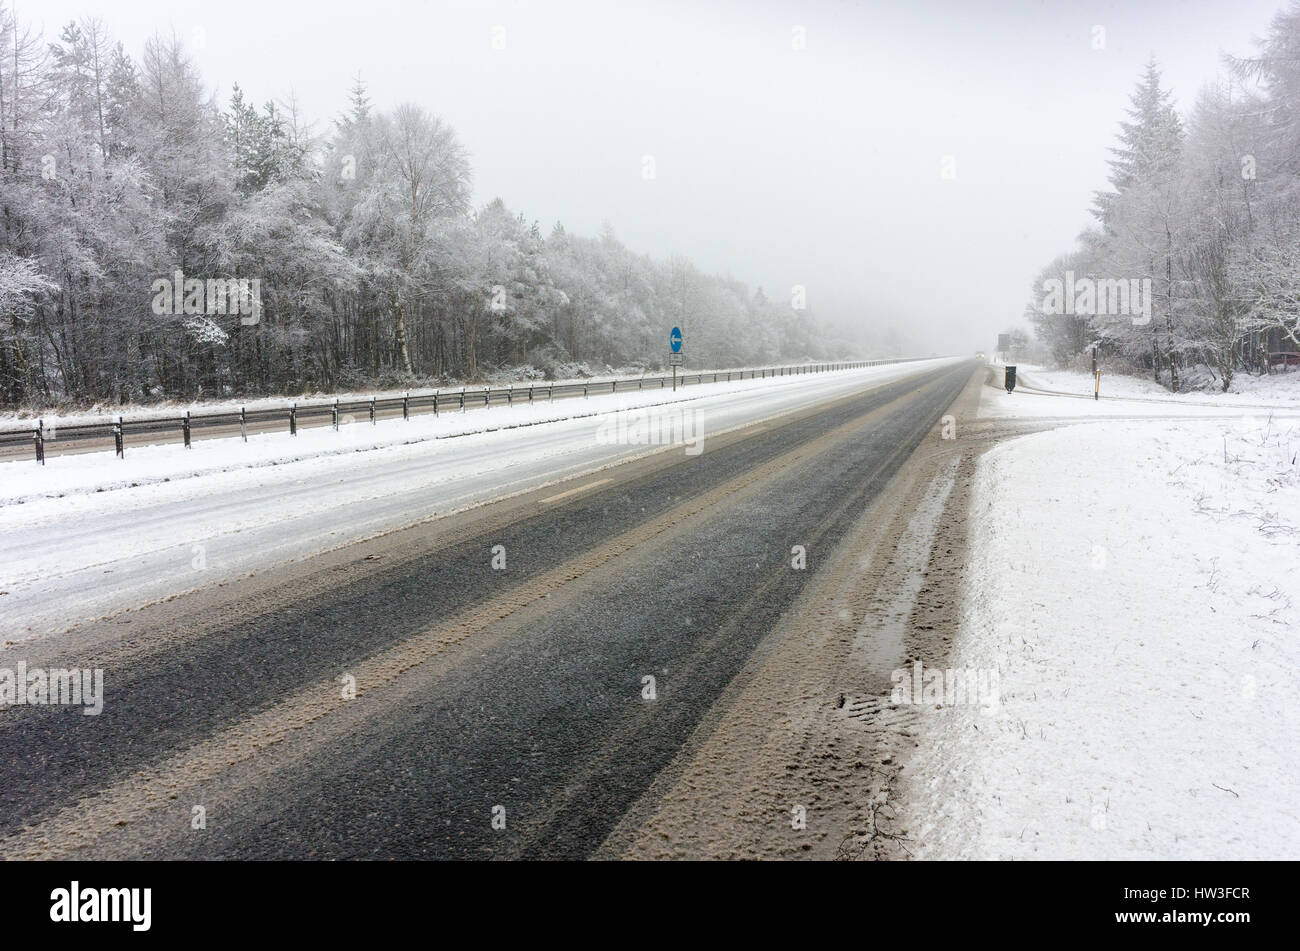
(146, 464)
(174, 409)
(1070, 395)
(1135, 585)
(1281, 388)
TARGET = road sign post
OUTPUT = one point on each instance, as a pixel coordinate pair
(675, 352)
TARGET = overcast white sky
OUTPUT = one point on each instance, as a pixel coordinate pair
(818, 167)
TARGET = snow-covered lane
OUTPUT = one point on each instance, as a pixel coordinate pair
(92, 553)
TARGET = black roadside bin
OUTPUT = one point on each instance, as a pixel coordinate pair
(1011, 378)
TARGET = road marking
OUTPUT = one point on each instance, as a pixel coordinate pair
(77, 828)
(581, 488)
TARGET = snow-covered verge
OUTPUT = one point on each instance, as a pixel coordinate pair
(174, 409)
(1134, 585)
(143, 464)
(1058, 394)
(1281, 388)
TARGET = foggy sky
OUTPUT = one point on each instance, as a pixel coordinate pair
(819, 167)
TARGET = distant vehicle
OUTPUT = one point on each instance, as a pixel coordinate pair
(980, 356)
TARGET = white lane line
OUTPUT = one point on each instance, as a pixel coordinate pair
(581, 488)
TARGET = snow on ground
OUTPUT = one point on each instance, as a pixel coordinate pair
(1134, 585)
(1061, 394)
(174, 409)
(1280, 388)
(87, 553)
(144, 463)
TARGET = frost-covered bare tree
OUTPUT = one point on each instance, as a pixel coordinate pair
(124, 175)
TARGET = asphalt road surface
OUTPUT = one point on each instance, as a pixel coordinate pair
(500, 711)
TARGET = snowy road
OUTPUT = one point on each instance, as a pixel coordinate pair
(326, 658)
(543, 657)
(92, 553)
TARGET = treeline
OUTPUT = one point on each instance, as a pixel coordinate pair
(1198, 237)
(300, 261)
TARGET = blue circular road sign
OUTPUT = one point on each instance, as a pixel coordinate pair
(675, 339)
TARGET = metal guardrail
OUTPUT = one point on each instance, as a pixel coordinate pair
(330, 412)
